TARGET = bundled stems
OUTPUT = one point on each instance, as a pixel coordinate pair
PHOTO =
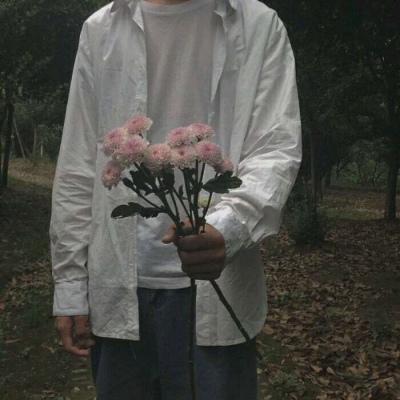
(192, 314)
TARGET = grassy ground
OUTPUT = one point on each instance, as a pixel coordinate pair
(332, 331)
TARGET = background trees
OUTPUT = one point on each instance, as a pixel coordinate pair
(38, 43)
(348, 59)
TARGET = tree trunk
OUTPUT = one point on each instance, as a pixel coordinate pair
(328, 178)
(34, 143)
(21, 145)
(2, 120)
(394, 151)
(315, 179)
(391, 188)
(7, 145)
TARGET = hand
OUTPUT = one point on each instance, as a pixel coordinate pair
(202, 255)
(75, 334)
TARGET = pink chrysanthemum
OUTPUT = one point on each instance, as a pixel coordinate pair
(179, 137)
(201, 131)
(131, 151)
(113, 140)
(138, 125)
(157, 157)
(224, 166)
(209, 152)
(111, 174)
(183, 156)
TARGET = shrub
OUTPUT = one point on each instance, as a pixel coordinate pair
(304, 222)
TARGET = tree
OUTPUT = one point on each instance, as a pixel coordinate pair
(34, 64)
(348, 57)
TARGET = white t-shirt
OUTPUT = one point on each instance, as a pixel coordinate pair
(179, 44)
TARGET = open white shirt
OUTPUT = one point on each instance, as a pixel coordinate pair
(254, 110)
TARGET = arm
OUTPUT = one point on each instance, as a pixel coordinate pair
(268, 167)
(72, 197)
(270, 157)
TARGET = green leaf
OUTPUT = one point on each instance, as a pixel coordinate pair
(169, 180)
(222, 183)
(132, 209)
(150, 212)
(141, 181)
(129, 184)
(126, 210)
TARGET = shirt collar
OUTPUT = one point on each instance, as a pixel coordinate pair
(119, 3)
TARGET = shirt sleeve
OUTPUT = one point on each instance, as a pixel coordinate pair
(270, 156)
(72, 192)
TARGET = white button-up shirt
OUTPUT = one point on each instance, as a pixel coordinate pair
(254, 110)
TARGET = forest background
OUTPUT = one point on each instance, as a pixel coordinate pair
(348, 57)
(348, 69)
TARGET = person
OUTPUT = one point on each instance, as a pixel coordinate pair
(122, 283)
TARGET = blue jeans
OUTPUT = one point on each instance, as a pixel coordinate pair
(156, 367)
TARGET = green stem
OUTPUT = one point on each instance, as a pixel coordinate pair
(192, 314)
(188, 196)
(202, 173)
(233, 315)
(185, 208)
(207, 207)
(206, 210)
(137, 191)
(196, 199)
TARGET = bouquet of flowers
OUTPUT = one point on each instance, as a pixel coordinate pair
(153, 166)
(149, 171)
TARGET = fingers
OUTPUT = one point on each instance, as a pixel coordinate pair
(75, 334)
(171, 236)
(211, 238)
(213, 256)
(205, 272)
(202, 255)
(83, 339)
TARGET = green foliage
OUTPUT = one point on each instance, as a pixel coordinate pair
(31, 62)
(367, 166)
(222, 183)
(167, 199)
(132, 209)
(349, 79)
(51, 140)
(304, 222)
(46, 117)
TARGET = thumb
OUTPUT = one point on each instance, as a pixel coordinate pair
(171, 236)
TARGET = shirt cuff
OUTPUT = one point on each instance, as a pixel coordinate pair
(236, 235)
(70, 298)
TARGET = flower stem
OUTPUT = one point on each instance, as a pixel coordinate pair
(233, 315)
(188, 196)
(137, 191)
(185, 208)
(207, 207)
(196, 187)
(192, 339)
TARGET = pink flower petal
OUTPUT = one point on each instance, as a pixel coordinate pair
(183, 156)
(138, 125)
(111, 174)
(179, 137)
(209, 152)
